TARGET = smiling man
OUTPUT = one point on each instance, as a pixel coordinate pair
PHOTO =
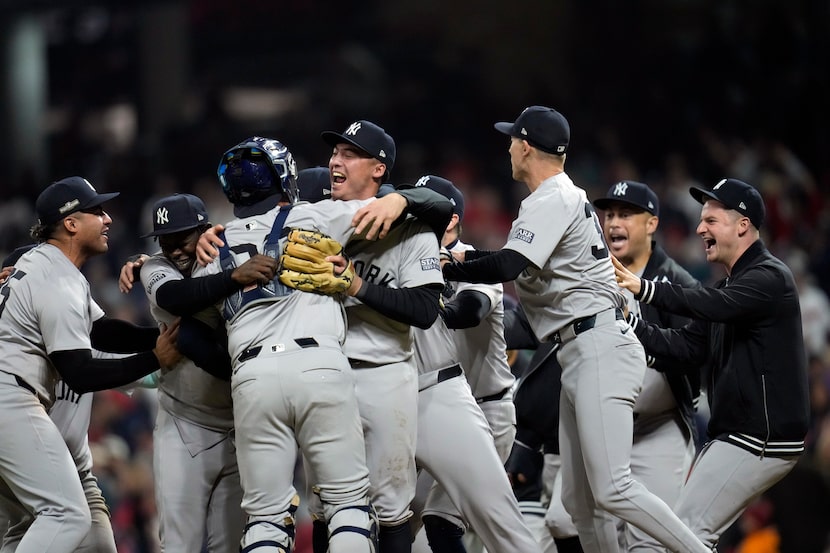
(746, 331)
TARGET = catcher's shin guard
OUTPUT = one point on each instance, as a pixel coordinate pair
(352, 528)
(270, 534)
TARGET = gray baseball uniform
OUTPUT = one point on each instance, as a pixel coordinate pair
(570, 295)
(198, 491)
(71, 413)
(45, 306)
(380, 352)
(291, 386)
(450, 421)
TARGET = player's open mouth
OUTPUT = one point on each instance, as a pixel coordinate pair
(709, 243)
(337, 177)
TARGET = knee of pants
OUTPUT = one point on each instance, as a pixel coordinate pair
(271, 534)
(353, 527)
(77, 521)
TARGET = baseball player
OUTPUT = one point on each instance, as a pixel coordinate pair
(71, 414)
(48, 323)
(746, 330)
(664, 425)
(565, 281)
(450, 418)
(397, 286)
(197, 486)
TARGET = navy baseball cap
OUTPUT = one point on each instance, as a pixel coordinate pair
(447, 189)
(314, 184)
(544, 128)
(369, 137)
(631, 192)
(177, 213)
(737, 195)
(67, 196)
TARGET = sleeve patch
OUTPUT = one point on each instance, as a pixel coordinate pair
(154, 279)
(523, 235)
(430, 264)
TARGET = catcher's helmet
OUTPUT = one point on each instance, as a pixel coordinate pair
(257, 168)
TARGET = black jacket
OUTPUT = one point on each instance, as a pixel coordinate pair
(747, 331)
(683, 378)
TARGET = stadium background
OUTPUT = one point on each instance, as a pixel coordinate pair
(143, 97)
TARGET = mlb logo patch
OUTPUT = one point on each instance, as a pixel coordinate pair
(430, 264)
(523, 235)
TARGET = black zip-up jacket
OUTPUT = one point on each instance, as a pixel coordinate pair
(747, 331)
(683, 378)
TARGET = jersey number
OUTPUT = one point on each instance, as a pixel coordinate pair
(600, 249)
(6, 290)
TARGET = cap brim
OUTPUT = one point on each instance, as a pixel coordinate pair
(605, 203)
(99, 199)
(333, 139)
(504, 127)
(162, 232)
(701, 195)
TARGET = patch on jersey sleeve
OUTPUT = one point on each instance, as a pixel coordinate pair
(154, 279)
(523, 235)
(430, 264)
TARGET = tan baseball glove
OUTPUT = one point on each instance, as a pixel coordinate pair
(303, 264)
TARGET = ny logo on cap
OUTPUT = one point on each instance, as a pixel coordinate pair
(422, 181)
(719, 184)
(89, 184)
(353, 128)
(620, 188)
(162, 217)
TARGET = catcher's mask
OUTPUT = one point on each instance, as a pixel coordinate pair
(257, 168)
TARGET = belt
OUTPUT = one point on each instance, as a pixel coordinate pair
(252, 352)
(449, 372)
(249, 353)
(23, 384)
(581, 325)
(493, 397)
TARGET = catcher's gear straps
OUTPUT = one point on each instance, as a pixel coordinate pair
(271, 248)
